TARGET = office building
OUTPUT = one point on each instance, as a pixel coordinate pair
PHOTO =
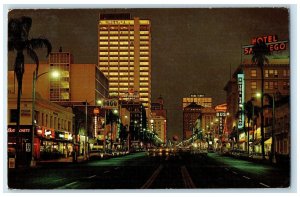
(124, 54)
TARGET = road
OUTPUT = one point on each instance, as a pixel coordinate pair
(139, 171)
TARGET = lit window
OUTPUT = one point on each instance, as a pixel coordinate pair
(113, 53)
(253, 73)
(266, 85)
(144, 42)
(113, 48)
(103, 38)
(123, 43)
(144, 64)
(103, 43)
(253, 85)
(266, 73)
(113, 38)
(144, 58)
(103, 32)
(144, 32)
(144, 37)
(144, 53)
(103, 53)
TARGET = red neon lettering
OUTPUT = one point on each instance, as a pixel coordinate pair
(282, 46)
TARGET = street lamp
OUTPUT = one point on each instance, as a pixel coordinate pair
(35, 77)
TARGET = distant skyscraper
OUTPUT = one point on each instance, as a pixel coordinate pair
(124, 55)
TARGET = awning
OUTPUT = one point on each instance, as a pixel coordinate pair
(269, 141)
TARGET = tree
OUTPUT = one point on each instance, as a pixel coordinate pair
(19, 41)
(259, 57)
(110, 119)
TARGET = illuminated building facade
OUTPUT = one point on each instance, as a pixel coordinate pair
(276, 83)
(53, 131)
(76, 82)
(190, 115)
(158, 119)
(124, 56)
(199, 99)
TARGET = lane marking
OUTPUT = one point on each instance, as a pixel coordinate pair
(67, 185)
(246, 177)
(227, 169)
(234, 172)
(117, 168)
(60, 179)
(107, 171)
(91, 176)
(264, 185)
(188, 182)
(152, 178)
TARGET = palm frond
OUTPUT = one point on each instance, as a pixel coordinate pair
(32, 54)
(26, 23)
(36, 43)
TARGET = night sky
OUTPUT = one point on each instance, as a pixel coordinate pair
(192, 49)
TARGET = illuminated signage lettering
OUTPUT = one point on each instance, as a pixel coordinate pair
(110, 104)
(12, 130)
(271, 41)
(241, 94)
(116, 22)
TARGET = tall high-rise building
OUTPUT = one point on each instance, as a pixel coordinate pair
(124, 55)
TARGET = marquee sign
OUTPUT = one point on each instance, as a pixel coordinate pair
(241, 100)
(271, 41)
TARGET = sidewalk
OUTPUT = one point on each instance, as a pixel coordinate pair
(61, 160)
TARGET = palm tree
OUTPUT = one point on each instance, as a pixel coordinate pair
(18, 41)
(260, 51)
(249, 114)
(110, 119)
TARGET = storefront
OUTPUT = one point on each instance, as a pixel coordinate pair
(20, 143)
(51, 144)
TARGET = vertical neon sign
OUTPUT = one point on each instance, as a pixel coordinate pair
(241, 96)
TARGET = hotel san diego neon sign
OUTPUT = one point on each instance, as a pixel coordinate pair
(271, 41)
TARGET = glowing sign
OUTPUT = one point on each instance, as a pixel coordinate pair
(110, 103)
(116, 22)
(271, 41)
(241, 96)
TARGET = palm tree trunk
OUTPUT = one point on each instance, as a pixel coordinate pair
(262, 114)
(18, 139)
(248, 136)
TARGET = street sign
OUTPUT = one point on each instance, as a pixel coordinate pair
(110, 103)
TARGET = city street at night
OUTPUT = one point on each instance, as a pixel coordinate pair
(140, 171)
(158, 99)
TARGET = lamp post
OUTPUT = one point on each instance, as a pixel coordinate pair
(35, 77)
(272, 96)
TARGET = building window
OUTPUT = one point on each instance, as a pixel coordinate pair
(253, 73)
(253, 85)
(286, 85)
(266, 85)
(13, 115)
(266, 73)
(275, 85)
(286, 73)
(271, 85)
